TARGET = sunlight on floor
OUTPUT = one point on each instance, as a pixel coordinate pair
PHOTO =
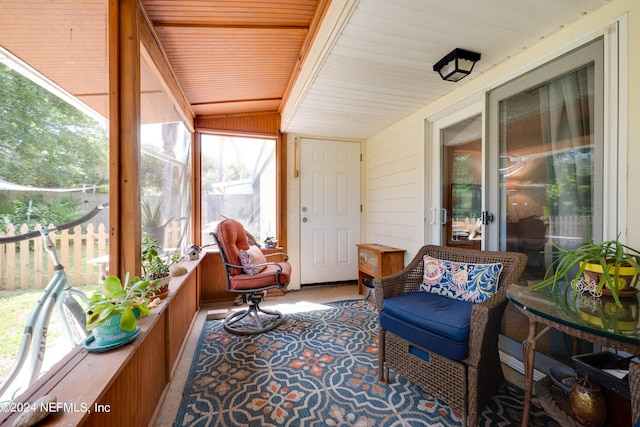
(299, 307)
(289, 308)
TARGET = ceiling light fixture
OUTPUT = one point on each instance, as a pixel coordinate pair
(456, 65)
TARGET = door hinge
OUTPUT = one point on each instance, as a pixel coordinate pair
(360, 208)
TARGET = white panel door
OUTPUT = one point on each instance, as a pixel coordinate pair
(330, 210)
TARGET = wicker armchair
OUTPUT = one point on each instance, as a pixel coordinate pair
(465, 385)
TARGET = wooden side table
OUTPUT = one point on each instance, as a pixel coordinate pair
(376, 261)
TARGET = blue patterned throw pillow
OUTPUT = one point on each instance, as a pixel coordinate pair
(464, 281)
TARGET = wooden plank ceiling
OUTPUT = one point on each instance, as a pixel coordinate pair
(234, 56)
(228, 56)
(64, 41)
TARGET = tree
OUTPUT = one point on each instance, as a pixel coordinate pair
(57, 212)
(44, 141)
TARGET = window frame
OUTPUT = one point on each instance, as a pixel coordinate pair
(280, 194)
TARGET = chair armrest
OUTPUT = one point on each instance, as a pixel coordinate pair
(242, 267)
(285, 255)
(227, 265)
(634, 385)
(487, 316)
(404, 281)
(485, 327)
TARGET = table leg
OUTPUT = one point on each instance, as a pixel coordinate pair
(529, 356)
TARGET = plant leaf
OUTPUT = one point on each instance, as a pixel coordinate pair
(144, 310)
(128, 320)
(112, 285)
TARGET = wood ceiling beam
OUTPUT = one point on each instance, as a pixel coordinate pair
(168, 24)
(167, 78)
(234, 102)
(321, 11)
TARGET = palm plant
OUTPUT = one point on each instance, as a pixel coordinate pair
(152, 215)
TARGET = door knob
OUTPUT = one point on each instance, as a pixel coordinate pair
(304, 219)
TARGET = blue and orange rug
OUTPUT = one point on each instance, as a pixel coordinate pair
(317, 369)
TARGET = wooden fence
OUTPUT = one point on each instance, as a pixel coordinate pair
(83, 253)
(569, 231)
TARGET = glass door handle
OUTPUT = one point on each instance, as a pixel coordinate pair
(487, 217)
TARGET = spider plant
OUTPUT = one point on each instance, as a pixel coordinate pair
(611, 259)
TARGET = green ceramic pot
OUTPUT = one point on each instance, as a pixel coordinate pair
(110, 333)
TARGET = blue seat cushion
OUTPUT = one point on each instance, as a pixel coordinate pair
(434, 322)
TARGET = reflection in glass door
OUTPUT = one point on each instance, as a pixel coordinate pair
(462, 183)
(547, 166)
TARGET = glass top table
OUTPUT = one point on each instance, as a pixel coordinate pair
(595, 319)
(593, 315)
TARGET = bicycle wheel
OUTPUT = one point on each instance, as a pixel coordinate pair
(76, 318)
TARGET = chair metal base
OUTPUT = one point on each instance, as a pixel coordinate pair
(253, 320)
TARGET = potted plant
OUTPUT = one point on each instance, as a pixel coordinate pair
(152, 223)
(608, 267)
(270, 242)
(155, 267)
(113, 311)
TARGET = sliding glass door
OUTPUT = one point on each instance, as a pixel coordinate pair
(525, 172)
(546, 166)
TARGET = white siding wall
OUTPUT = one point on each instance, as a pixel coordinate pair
(394, 188)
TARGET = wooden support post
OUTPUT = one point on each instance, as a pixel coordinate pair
(124, 138)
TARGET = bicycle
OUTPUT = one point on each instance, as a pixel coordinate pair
(59, 293)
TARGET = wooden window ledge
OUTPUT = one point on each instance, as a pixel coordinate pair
(127, 385)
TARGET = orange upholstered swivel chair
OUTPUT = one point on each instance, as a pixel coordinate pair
(249, 274)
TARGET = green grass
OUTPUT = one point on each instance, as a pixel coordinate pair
(14, 313)
(16, 306)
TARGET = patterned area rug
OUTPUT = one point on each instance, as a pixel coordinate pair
(317, 369)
